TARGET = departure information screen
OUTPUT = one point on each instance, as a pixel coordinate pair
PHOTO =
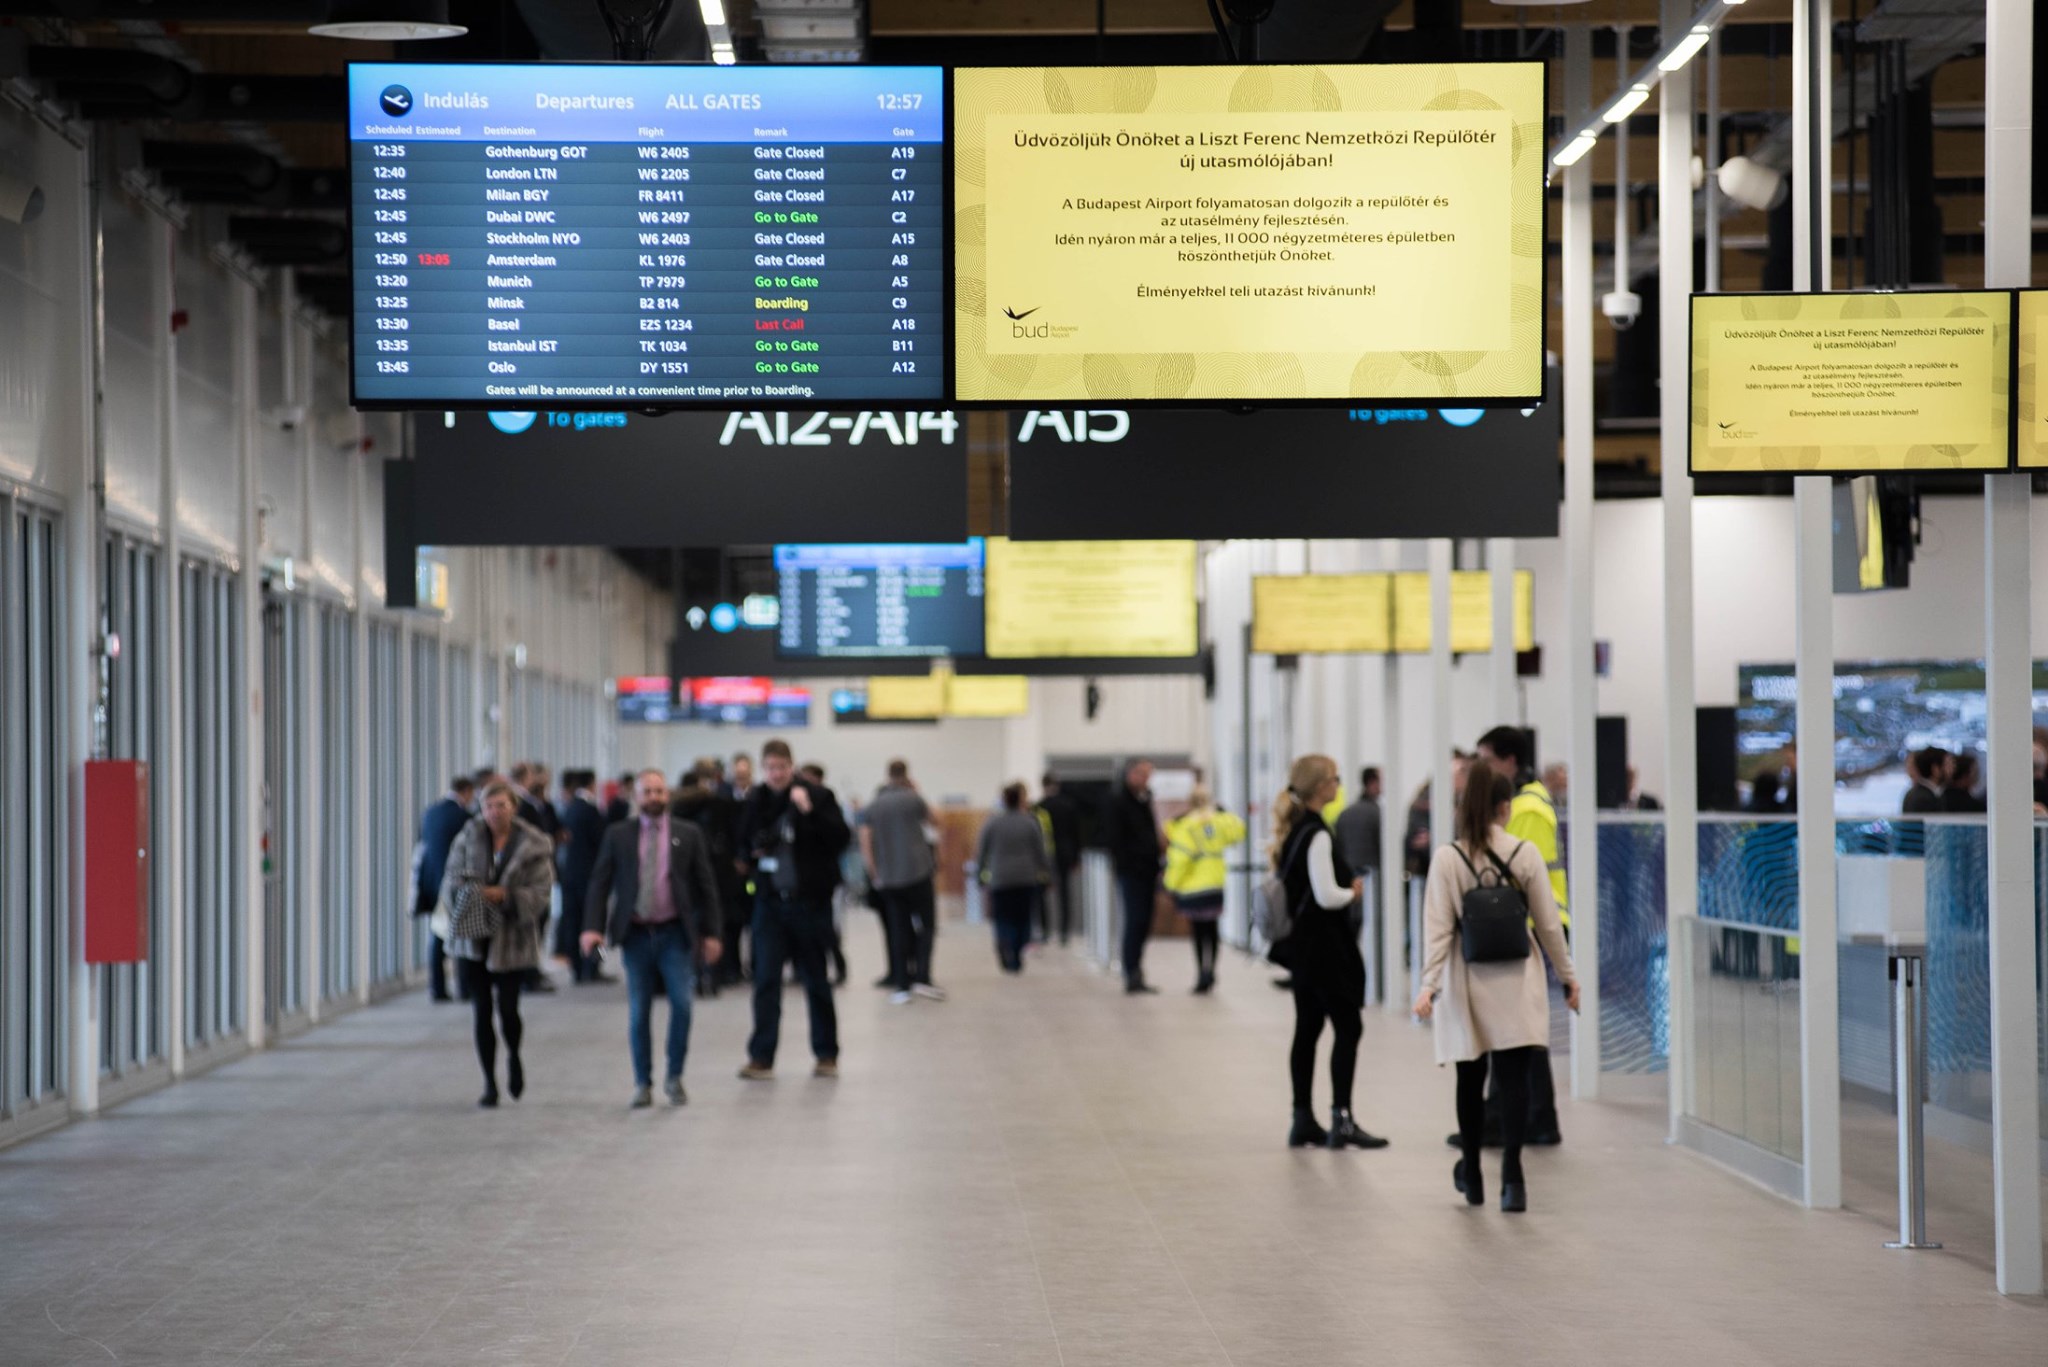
(646, 235)
(878, 601)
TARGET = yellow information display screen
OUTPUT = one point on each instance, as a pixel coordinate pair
(2033, 380)
(988, 695)
(1471, 612)
(1080, 599)
(1249, 232)
(1851, 383)
(1322, 614)
(908, 697)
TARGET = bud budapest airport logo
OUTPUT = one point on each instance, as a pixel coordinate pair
(397, 101)
(1735, 432)
(1044, 330)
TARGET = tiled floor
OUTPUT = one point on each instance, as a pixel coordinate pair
(1039, 1171)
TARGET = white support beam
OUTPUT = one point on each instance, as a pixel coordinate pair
(1820, 1050)
(1681, 726)
(251, 704)
(1394, 784)
(169, 857)
(1500, 561)
(1443, 805)
(78, 701)
(1582, 833)
(2008, 614)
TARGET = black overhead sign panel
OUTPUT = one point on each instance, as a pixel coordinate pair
(1104, 474)
(562, 478)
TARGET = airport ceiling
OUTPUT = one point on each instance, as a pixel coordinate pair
(234, 106)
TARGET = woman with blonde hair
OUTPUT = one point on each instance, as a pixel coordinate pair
(1482, 990)
(1196, 842)
(1322, 952)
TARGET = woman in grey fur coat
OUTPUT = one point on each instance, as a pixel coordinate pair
(501, 872)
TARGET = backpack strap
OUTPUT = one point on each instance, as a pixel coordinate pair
(1507, 874)
(1459, 850)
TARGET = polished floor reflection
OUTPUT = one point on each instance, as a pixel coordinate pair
(1040, 1171)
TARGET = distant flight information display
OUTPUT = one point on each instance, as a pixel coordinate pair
(853, 602)
(559, 235)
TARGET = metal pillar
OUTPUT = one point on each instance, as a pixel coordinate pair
(1581, 833)
(1443, 804)
(1909, 1075)
(250, 704)
(1681, 758)
(1500, 560)
(2008, 612)
(1394, 781)
(1813, 588)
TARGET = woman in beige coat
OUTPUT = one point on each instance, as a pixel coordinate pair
(1489, 1014)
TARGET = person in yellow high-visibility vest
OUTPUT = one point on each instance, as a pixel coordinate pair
(1507, 750)
(1195, 872)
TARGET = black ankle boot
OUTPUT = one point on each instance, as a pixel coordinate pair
(515, 1077)
(1474, 1186)
(1514, 1197)
(1306, 1134)
(1344, 1132)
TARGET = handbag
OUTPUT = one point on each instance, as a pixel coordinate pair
(1493, 919)
(473, 917)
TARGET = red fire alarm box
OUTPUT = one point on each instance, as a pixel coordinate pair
(116, 861)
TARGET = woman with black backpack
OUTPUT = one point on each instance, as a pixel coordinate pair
(1482, 987)
(1321, 949)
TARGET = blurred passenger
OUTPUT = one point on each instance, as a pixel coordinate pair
(1322, 951)
(814, 774)
(1930, 769)
(901, 867)
(1490, 1017)
(1556, 782)
(652, 894)
(793, 833)
(1014, 865)
(1195, 872)
(741, 786)
(501, 873)
(1358, 829)
(698, 801)
(583, 827)
(439, 825)
(528, 780)
(1509, 752)
(1775, 790)
(1062, 820)
(1136, 848)
(2040, 772)
(1964, 784)
(1638, 800)
(620, 804)
(480, 780)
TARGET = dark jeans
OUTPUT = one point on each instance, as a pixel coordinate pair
(1208, 938)
(913, 916)
(1010, 909)
(658, 955)
(786, 931)
(1138, 893)
(1510, 1068)
(479, 984)
(1329, 985)
(437, 970)
(569, 934)
(739, 916)
(1061, 888)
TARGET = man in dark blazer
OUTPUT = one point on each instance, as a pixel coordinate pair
(584, 826)
(439, 825)
(652, 894)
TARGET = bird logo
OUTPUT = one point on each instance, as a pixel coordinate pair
(1017, 317)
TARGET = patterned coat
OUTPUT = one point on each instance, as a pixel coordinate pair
(530, 879)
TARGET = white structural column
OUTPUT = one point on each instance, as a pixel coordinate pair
(1681, 726)
(1500, 561)
(1582, 834)
(1820, 1053)
(2008, 612)
(168, 858)
(1394, 783)
(358, 853)
(78, 634)
(251, 809)
(1443, 804)
(312, 699)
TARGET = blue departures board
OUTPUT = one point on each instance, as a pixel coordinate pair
(646, 235)
(880, 601)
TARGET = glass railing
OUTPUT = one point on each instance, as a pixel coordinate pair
(1635, 960)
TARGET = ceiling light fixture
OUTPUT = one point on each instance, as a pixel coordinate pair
(1688, 48)
(388, 21)
(1629, 102)
(1575, 149)
(713, 12)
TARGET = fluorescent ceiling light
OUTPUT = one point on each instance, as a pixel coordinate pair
(1629, 103)
(722, 54)
(1688, 47)
(1576, 148)
(713, 12)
